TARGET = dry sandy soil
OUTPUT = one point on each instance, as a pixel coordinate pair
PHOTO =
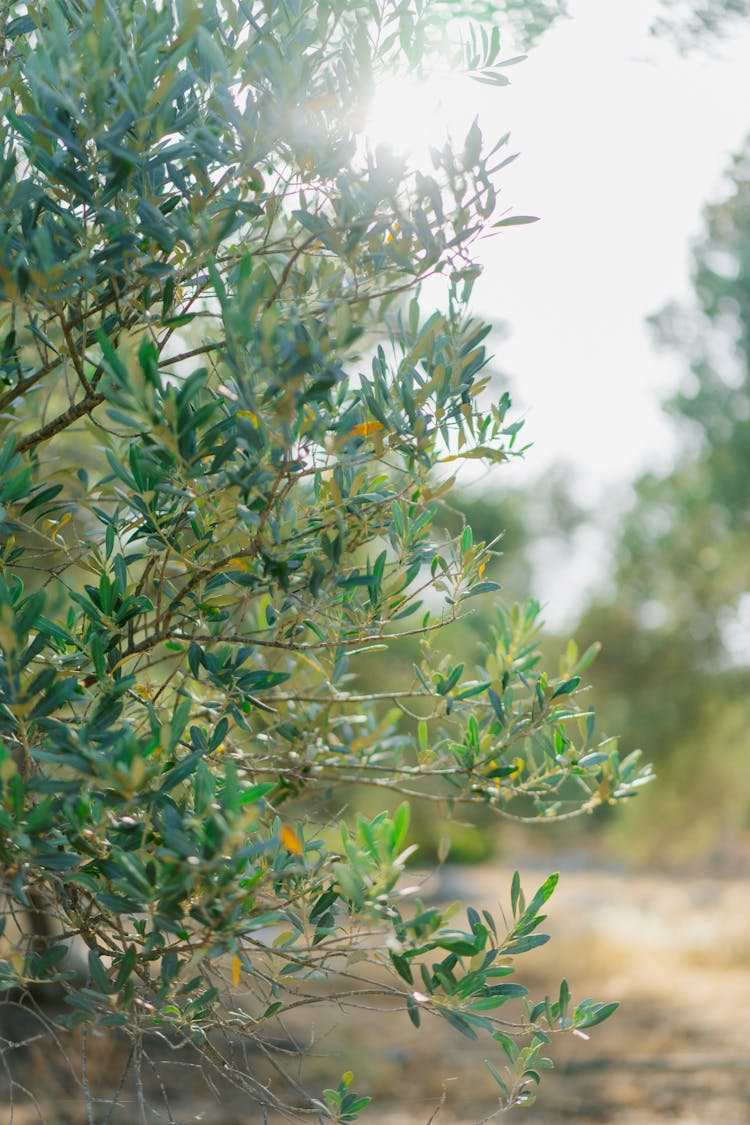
(673, 951)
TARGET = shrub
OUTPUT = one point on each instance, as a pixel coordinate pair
(228, 426)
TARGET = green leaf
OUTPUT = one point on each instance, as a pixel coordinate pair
(181, 772)
(459, 1022)
(516, 220)
(517, 904)
(509, 1045)
(588, 1014)
(542, 895)
(256, 792)
(400, 825)
(567, 687)
(485, 587)
(498, 1077)
(98, 973)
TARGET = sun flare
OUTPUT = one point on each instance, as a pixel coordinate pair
(411, 115)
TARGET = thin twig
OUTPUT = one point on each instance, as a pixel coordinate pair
(85, 1075)
(4, 52)
(78, 410)
(138, 1075)
(437, 1108)
(120, 1085)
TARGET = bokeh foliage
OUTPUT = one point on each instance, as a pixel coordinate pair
(691, 24)
(674, 629)
(227, 426)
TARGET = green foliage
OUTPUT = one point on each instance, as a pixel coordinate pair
(226, 432)
(527, 19)
(691, 24)
(342, 1104)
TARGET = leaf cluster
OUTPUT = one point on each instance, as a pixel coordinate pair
(225, 440)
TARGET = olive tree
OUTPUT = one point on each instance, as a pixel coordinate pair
(228, 422)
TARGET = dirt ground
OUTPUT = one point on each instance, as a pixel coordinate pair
(673, 951)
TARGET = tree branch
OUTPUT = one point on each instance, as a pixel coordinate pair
(57, 425)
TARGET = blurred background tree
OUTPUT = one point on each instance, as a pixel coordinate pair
(675, 623)
(693, 24)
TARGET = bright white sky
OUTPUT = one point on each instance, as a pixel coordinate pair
(622, 143)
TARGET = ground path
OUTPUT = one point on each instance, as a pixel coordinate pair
(674, 951)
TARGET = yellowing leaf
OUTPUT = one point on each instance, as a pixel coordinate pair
(305, 658)
(365, 428)
(55, 524)
(137, 771)
(290, 840)
(238, 563)
(236, 969)
(7, 768)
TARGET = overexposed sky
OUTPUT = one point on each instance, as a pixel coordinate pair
(622, 143)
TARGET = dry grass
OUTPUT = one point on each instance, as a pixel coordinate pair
(673, 952)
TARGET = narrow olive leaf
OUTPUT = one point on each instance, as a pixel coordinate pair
(291, 840)
(99, 977)
(543, 894)
(516, 899)
(498, 1077)
(597, 1013)
(516, 221)
(567, 687)
(458, 1021)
